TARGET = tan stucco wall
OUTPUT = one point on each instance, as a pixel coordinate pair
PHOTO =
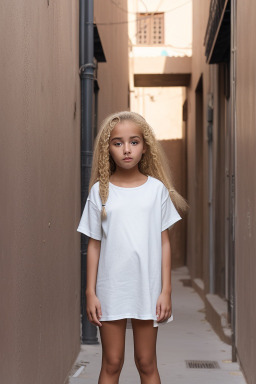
(246, 190)
(113, 78)
(40, 190)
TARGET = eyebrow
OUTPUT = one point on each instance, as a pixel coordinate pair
(120, 138)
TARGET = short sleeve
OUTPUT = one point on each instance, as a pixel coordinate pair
(90, 223)
(169, 213)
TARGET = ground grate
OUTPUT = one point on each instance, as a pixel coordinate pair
(202, 364)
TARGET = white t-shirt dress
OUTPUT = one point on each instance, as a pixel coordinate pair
(129, 270)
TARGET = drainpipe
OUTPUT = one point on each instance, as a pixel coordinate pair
(86, 54)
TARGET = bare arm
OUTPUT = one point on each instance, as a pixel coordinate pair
(166, 263)
(164, 303)
(93, 307)
(93, 255)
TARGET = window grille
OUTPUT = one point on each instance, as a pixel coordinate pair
(150, 28)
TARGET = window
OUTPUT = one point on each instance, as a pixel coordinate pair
(150, 28)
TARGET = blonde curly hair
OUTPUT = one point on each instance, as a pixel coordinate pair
(153, 162)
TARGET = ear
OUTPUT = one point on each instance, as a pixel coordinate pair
(144, 148)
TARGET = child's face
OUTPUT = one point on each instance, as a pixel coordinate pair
(126, 144)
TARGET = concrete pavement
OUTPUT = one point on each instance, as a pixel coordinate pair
(188, 337)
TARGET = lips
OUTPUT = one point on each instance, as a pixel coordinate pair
(127, 158)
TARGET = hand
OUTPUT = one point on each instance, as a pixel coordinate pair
(164, 307)
(93, 309)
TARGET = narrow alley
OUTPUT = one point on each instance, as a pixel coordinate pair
(187, 70)
(188, 337)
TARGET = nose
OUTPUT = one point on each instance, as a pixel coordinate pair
(127, 148)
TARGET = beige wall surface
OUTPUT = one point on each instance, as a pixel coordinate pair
(161, 64)
(177, 38)
(162, 108)
(246, 190)
(40, 190)
(113, 77)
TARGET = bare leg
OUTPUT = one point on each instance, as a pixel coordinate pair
(112, 335)
(145, 337)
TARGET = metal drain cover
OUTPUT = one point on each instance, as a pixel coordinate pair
(202, 364)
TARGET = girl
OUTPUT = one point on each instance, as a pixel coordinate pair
(126, 216)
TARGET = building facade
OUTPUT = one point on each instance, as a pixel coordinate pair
(113, 75)
(40, 273)
(160, 50)
(221, 172)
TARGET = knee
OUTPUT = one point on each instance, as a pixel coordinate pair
(113, 365)
(145, 365)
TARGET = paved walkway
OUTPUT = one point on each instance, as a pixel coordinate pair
(188, 337)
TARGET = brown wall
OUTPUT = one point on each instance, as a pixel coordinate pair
(113, 75)
(40, 175)
(197, 160)
(221, 168)
(175, 152)
(245, 182)
(246, 190)
(40, 191)
(206, 84)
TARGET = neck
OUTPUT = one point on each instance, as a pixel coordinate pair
(127, 174)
